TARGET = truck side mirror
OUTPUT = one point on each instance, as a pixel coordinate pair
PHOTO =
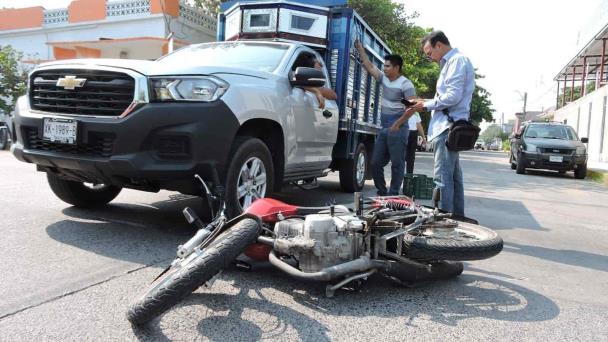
(307, 77)
(584, 140)
(517, 135)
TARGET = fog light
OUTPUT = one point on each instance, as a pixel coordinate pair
(533, 163)
(173, 147)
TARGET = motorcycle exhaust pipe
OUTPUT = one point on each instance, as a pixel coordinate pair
(362, 264)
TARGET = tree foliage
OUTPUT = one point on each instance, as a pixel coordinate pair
(13, 78)
(492, 132)
(481, 105)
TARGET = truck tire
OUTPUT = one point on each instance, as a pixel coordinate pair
(513, 165)
(473, 243)
(184, 278)
(80, 195)
(3, 138)
(581, 172)
(248, 154)
(353, 171)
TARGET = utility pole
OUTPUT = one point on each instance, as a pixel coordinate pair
(525, 101)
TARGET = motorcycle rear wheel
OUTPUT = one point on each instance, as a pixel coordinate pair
(184, 278)
(464, 242)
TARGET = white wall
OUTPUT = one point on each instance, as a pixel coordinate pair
(591, 129)
(32, 42)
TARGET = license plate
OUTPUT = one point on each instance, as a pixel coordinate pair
(556, 159)
(62, 131)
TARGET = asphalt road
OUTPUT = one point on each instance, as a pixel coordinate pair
(68, 274)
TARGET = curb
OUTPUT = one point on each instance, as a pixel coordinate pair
(598, 176)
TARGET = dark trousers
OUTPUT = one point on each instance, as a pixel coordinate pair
(410, 151)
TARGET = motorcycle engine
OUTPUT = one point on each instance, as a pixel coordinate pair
(320, 240)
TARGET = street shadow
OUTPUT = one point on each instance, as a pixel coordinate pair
(512, 214)
(139, 233)
(445, 302)
(592, 261)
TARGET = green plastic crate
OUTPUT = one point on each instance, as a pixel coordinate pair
(418, 185)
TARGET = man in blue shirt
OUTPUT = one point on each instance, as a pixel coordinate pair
(455, 87)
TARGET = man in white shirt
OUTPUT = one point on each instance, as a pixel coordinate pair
(416, 130)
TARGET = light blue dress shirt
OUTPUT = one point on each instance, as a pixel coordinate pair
(455, 87)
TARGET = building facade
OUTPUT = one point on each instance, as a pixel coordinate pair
(135, 29)
(583, 91)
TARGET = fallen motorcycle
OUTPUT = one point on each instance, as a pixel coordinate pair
(394, 236)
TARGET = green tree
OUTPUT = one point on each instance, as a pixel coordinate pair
(13, 78)
(493, 132)
(481, 105)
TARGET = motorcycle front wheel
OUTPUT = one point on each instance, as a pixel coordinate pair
(452, 240)
(195, 270)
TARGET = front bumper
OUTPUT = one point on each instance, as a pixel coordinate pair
(157, 146)
(542, 161)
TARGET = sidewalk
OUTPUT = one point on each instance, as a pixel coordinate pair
(598, 171)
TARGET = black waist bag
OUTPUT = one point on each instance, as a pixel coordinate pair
(462, 136)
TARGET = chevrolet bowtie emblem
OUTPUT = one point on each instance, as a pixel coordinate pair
(71, 82)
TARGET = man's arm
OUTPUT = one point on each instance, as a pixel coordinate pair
(328, 93)
(367, 64)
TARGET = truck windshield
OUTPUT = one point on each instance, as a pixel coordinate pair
(262, 57)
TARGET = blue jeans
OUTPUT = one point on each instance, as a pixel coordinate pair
(448, 176)
(389, 147)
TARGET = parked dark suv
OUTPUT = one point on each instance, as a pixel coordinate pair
(550, 146)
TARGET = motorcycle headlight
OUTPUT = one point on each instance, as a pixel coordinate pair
(581, 150)
(531, 148)
(200, 89)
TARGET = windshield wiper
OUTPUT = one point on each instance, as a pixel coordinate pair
(554, 138)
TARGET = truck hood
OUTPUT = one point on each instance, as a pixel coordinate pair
(157, 68)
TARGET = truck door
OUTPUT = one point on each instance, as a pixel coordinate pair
(316, 129)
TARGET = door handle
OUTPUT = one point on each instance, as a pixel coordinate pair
(327, 113)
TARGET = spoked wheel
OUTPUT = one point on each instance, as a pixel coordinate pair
(195, 270)
(452, 240)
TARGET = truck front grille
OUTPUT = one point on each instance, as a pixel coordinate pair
(96, 92)
(98, 144)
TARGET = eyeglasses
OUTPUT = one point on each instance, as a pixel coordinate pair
(428, 54)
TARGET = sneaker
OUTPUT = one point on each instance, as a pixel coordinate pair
(381, 193)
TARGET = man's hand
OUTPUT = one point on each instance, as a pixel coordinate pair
(417, 107)
(321, 99)
(395, 127)
(359, 47)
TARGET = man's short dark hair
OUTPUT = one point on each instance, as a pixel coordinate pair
(395, 60)
(434, 37)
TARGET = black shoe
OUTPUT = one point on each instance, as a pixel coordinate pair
(381, 193)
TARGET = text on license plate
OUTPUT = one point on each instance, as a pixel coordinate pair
(556, 159)
(60, 130)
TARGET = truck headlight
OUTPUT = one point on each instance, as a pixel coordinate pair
(581, 150)
(200, 89)
(531, 148)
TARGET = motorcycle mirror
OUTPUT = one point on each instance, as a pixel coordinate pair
(205, 187)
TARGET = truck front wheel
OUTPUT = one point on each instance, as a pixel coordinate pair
(80, 194)
(353, 171)
(250, 174)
